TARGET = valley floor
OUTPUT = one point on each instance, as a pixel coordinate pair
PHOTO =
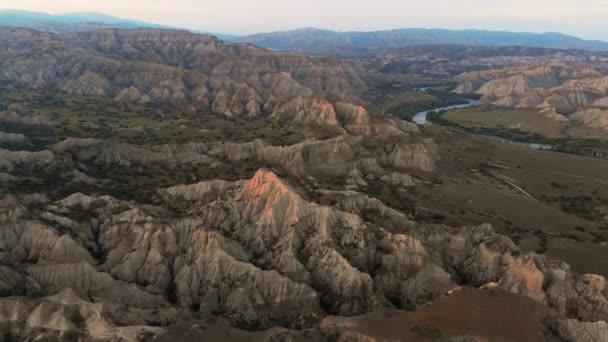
(557, 209)
(467, 315)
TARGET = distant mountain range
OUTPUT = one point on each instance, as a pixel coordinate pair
(317, 41)
(311, 40)
(79, 22)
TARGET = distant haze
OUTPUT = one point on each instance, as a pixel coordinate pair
(582, 18)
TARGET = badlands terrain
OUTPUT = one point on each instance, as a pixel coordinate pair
(158, 185)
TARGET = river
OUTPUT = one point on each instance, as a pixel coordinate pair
(421, 119)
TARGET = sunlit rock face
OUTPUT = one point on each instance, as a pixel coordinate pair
(256, 252)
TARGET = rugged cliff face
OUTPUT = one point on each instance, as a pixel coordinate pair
(577, 91)
(256, 252)
(192, 71)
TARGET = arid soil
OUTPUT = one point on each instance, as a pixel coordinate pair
(485, 315)
(469, 187)
(528, 120)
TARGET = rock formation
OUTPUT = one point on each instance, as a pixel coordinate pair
(258, 253)
(575, 91)
(186, 70)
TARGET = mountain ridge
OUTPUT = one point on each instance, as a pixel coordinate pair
(314, 40)
(81, 21)
(202, 72)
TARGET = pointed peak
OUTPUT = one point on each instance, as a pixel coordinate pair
(264, 183)
(264, 175)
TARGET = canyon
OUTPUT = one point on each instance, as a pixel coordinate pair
(164, 185)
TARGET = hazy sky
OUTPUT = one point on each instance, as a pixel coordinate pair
(583, 18)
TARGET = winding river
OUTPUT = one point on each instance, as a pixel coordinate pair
(420, 118)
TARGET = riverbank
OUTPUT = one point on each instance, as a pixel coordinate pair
(420, 118)
(586, 147)
(427, 117)
(407, 103)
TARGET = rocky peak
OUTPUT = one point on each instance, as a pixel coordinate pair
(262, 183)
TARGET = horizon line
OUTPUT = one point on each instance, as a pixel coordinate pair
(221, 32)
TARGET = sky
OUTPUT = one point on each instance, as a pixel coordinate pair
(583, 18)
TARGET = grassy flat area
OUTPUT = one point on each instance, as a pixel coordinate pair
(526, 125)
(529, 120)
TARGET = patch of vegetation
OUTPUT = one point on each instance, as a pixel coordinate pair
(543, 241)
(392, 197)
(599, 237)
(141, 124)
(581, 206)
(78, 215)
(557, 185)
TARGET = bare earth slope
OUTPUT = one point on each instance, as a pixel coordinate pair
(174, 67)
(259, 254)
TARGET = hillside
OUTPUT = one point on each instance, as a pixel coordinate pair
(193, 72)
(578, 93)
